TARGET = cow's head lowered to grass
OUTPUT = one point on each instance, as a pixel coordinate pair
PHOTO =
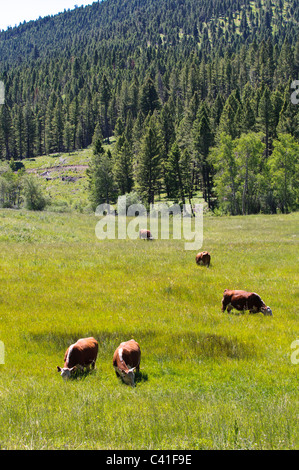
(267, 311)
(65, 372)
(81, 354)
(128, 376)
(126, 361)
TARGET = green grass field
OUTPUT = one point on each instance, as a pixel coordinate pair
(208, 380)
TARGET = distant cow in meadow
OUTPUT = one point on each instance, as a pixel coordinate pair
(81, 354)
(242, 300)
(126, 360)
(203, 258)
(145, 234)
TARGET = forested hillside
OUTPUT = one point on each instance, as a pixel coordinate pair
(197, 93)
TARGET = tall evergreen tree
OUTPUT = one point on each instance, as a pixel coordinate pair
(149, 169)
(123, 166)
(68, 133)
(58, 126)
(230, 117)
(167, 130)
(7, 132)
(105, 96)
(174, 171)
(19, 132)
(265, 119)
(29, 128)
(102, 188)
(203, 139)
(149, 100)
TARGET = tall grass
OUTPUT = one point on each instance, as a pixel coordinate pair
(208, 380)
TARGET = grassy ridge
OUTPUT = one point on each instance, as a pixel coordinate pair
(208, 380)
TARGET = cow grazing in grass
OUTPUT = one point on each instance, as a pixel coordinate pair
(203, 258)
(81, 354)
(242, 300)
(145, 234)
(126, 360)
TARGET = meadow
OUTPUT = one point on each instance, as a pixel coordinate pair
(208, 380)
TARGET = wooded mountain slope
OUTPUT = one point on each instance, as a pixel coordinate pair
(198, 68)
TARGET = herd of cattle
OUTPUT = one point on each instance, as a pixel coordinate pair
(126, 358)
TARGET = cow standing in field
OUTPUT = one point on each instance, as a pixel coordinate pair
(203, 258)
(81, 354)
(242, 300)
(126, 360)
(145, 234)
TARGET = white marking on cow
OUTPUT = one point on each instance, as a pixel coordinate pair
(120, 354)
(69, 353)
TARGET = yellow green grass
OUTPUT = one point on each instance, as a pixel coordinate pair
(208, 380)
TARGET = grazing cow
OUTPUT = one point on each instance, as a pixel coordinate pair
(203, 258)
(242, 300)
(126, 360)
(145, 234)
(81, 354)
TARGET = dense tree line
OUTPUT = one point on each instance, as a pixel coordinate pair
(178, 84)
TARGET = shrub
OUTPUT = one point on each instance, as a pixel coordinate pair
(34, 198)
(10, 189)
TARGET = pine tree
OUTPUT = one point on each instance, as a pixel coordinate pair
(149, 169)
(7, 132)
(105, 97)
(247, 117)
(39, 133)
(186, 166)
(285, 66)
(174, 171)
(230, 117)
(265, 119)
(87, 121)
(167, 130)
(29, 131)
(97, 141)
(58, 126)
(68, 133)
(202, 140)
(149, 100)
(123, 166)
(49, 127)
(134, 97)
(124, 101)
(217, 110)
(74, 119)
(102, 188)
(19, 132)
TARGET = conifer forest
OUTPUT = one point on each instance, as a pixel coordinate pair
(200, 95)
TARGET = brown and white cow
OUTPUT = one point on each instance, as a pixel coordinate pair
(203, 258)
(145, 234)
(81, 354)
(242, 300)
(126, 360)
